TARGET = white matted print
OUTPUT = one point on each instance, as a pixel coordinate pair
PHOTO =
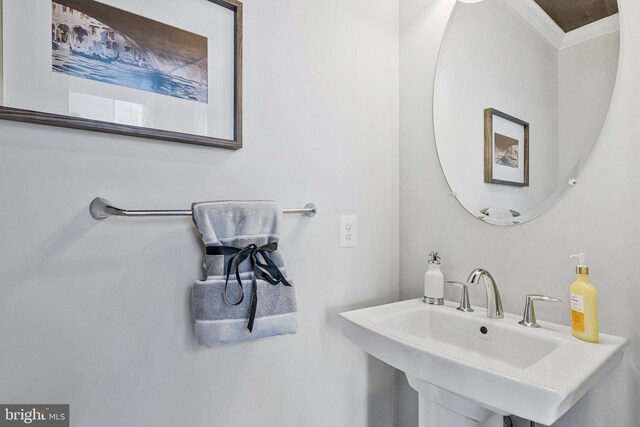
(506, 149)
(126, 66)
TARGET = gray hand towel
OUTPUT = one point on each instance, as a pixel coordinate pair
(239, 224)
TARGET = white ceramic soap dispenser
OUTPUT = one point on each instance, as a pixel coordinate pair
(434, 281)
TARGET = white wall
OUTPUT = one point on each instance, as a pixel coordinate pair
(587, 76)
(599, 216)
(490, 58)
(96, 314)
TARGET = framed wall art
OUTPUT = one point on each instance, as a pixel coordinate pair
(126, 67)
(506, 149)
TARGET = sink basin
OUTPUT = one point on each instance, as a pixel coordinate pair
(478, 368)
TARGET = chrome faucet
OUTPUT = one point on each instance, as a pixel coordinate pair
(494, 303)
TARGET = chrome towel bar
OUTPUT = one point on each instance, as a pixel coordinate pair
(101, 208)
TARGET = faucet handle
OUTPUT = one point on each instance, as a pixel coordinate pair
(465, 305)
(529, 316)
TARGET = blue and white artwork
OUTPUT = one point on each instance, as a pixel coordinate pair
(94, 41)
(506, 151)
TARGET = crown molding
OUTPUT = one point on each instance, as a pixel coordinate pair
(608, 25)
(538, 19)
(540, 22)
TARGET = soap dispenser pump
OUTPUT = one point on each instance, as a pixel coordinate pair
(434, 281)
(584, 303)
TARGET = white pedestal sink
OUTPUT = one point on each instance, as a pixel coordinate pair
(470, 371)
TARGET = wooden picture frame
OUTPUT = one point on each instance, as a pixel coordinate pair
(232, 138)
(506, 149)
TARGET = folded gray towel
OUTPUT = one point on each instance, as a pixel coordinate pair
(239, 224)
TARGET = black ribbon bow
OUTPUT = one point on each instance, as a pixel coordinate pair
(262, 267)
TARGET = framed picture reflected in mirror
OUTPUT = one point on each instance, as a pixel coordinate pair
(506, 149)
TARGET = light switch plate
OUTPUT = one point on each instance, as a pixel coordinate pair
(348, 231)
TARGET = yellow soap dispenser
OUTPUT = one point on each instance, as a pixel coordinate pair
(584, 303)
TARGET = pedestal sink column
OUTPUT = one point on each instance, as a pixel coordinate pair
(438, 408)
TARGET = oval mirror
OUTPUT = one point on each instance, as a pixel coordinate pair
(521, 93)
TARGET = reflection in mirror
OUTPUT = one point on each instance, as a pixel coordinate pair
(519, 103)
